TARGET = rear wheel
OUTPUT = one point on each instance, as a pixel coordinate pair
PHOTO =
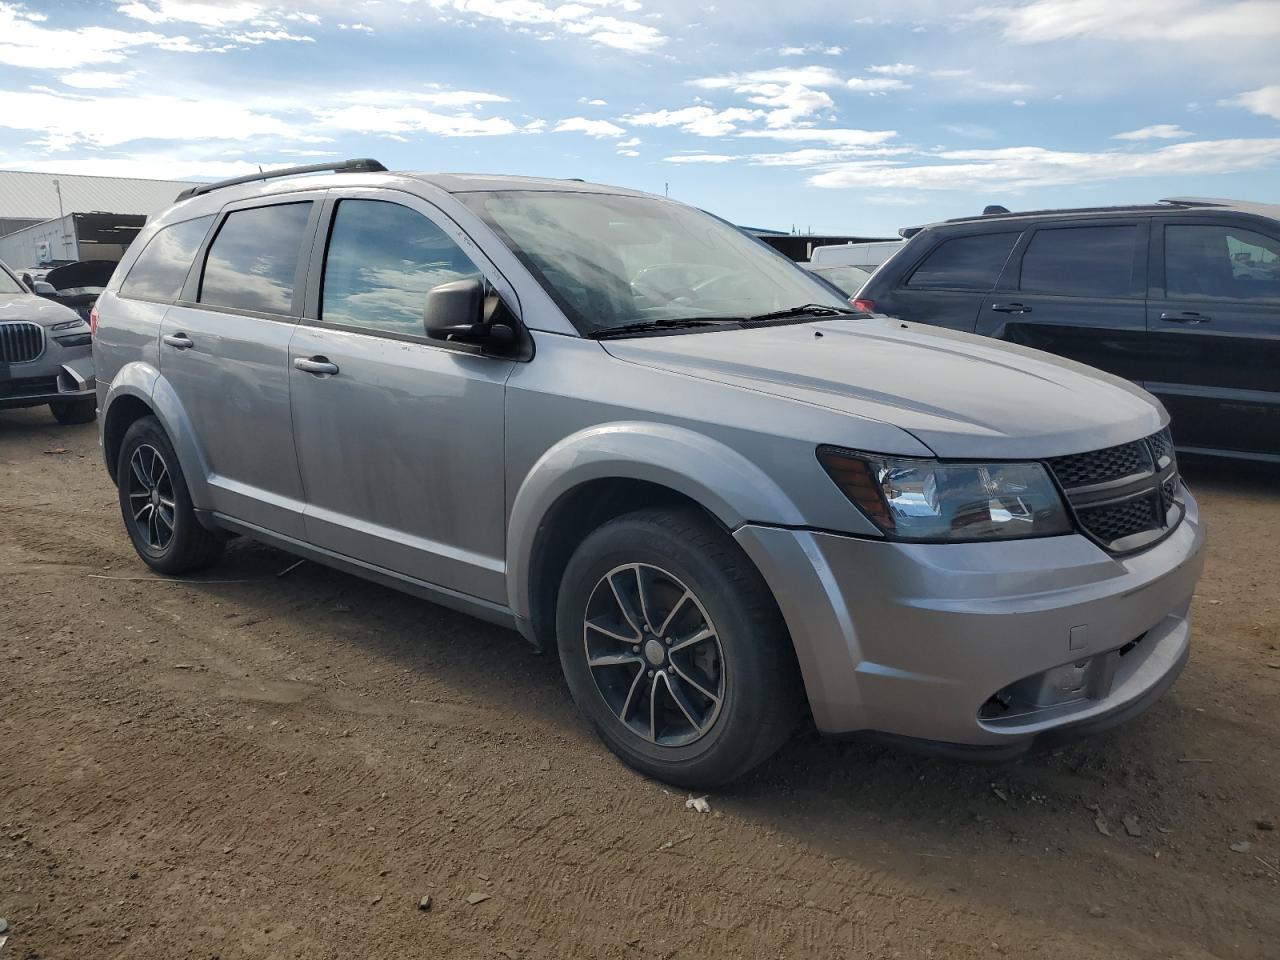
(156, 506)
(674, 649)
(74, 411)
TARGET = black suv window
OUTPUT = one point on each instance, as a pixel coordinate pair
(161, 268)
(1220, 261)
(1081, 261)
(965, 263)
(253, 259)
(383, 259)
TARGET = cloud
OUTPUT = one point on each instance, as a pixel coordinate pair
(1157, 131)
(874, 85)
(811, 48)
(895, 69)
(629, 142)
(700, 121)
(105, 121)
(1018, 168)
(187, 11)
(576, 18)
(791, 94)
(1264, 101)
(400, 120)
(98, 79)
(700, 158)
(843, 137)
(26, 42)
(592, 128)
(436, 97)
(812, 76)
(1184, 20)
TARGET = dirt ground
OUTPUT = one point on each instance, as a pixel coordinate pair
(254, 765)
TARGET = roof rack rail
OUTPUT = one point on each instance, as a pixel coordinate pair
(359, 165)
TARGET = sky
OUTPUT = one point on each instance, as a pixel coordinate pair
(840, 116)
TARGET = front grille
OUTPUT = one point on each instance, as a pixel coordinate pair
(1125, 497)
(20, 342)
(28, 387)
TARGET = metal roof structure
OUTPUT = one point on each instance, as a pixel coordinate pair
(33, 196)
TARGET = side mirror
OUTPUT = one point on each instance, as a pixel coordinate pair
(456, 311)
(42, 288)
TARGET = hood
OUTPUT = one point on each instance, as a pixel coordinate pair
(961, 395)
(82, 273)
(27, 306)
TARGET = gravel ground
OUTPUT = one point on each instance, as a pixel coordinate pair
(256, 765)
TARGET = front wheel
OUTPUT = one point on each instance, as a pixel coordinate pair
(156, 506)
(674, 649)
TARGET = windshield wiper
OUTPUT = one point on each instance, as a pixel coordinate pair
(804, 310)
(668, 323)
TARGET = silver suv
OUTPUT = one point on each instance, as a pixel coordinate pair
(632, 432)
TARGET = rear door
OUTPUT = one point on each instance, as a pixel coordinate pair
(1214, 322)
(946, 284)
(1077, 289)
(224, 349)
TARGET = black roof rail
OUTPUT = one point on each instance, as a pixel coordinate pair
(359, 165)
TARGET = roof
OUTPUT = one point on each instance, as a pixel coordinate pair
(1163, 206)
(27, 195)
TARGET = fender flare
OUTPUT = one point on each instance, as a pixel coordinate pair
(146, 383)
(721, 480)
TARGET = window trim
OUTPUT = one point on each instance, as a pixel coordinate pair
(907, 275)
(120, 292)
(1141, 247)
(311, 312)
(189, 297)
(1158, 280)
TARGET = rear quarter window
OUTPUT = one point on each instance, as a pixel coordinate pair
(964, 263)
(162, 267)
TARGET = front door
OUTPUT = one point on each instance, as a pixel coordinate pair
(1214, 331)
(1077, 290)
(399, 437)
(224, 351)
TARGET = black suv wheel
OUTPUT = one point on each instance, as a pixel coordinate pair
(674, 649)
(156, 505)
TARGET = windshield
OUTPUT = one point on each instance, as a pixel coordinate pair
(8, 284)
(612, 261)
(848, 279)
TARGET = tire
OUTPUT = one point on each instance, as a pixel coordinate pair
(74, 411)
(724, 703)
(163, 528)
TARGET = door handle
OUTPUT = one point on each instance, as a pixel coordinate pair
(316, 365)
(179, 341)
(1010, 308)
(1187, 316)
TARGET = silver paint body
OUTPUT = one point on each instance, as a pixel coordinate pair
(432, 470)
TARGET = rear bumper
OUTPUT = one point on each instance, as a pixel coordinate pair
(989, 646)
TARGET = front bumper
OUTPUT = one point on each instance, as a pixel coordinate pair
(46, 379)
(984, 645)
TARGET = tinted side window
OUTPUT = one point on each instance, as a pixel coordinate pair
(965, 263)
(161, 268)
(1220, 261)
(252, 260)
(1081, 261)
(382, 260)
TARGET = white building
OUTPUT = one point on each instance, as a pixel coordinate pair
(51, 217)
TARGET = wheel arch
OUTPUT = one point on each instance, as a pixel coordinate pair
(139, 390)
(604, 472)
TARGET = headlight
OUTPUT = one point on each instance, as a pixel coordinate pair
(68, 324)
(937, 501)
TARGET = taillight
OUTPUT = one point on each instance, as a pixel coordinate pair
(93, 320)
(866, 306)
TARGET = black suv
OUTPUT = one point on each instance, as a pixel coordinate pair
(1180, 296)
